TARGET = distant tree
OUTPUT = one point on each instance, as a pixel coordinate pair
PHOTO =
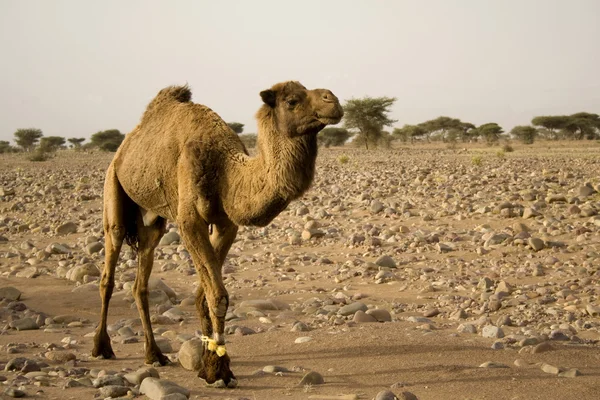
(408, 132)
(552, 124)
(467, 131)
(368, 115)
(28, 138)
(524, 133)
(236, 127)
(76, 142)
(5, 147)
(108, 140)
(51, 143)
(440, 126)
(490, 132)
(582, 125)
(333, 136)
(249, 140)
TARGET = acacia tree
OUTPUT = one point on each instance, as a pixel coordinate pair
(51, 143)
(5, 147)
(368, 115)
(582, 125)
(76, 142)
(441, 126)
(551, 123)
(490, 132)
(333, 136)
(237, 127)
(27, 138)
(409, 132)
(525, 133)
(108, 140)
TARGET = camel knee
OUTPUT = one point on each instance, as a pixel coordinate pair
(116, 231)
(219, 308)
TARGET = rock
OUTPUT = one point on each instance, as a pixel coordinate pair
(24, 324)
(593, 310)
(113, 391)
(585, 190)
(385, 395)
(157, 298)
(350, 309)
(491, 331)
(312, 378)
(444, 248)
(157, 389)
(550, 369)
(29, 272)
(273, 369)
(16, 393)
(93, 248)
(66, 228)
(60, 356)
(361, 316)
(77, 273)
(10, 293)
(386, 262)
(380, 314)
(137, 377)
(376, 206)
(529, 212)
(155, 283)
(169, 238)
(570, 373)
(16, 364)
(108, 380)
(536, 244)
(259, 304)
(542, 348)
(492, 364)
(431, 312)
(303, 339)
(190, 355)
(300, 327)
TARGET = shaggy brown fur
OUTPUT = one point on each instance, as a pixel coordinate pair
(183, 163)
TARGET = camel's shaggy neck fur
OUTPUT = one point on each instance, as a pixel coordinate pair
(281, 172)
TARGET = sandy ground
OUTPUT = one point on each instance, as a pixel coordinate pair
(431, 359)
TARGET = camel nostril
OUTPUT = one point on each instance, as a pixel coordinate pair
(328, 96)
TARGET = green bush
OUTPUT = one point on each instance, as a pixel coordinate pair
(343, 159)
(476, 160)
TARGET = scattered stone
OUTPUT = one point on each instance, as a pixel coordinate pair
(157, 389)
(25, 324)
(491, 331)
(352, 308)
(550, 369)
(113, 391)
(536, 244)
(190, 355)
(66, 228)
(492, 364)
(10, 293)
(312, 378)
(361, 317)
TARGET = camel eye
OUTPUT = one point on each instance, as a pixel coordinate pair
(292, 102)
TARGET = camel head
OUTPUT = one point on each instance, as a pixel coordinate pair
(299, 111)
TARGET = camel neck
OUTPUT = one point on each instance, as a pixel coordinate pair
(263, 186)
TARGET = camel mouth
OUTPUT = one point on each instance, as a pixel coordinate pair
(328, 120)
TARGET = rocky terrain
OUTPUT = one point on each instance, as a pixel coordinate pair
(413, 273)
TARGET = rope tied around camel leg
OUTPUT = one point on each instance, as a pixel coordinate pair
(213, 346)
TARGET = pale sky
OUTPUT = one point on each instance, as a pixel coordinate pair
(74, 67)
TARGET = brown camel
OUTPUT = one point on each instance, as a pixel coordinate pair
(183, 163)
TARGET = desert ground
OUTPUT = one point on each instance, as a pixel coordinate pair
(423, 271)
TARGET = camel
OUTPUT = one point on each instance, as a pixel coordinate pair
(183, 163)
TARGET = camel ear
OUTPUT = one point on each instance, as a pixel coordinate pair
(268, 97)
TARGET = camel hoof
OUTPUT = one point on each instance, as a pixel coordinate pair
(220, 384)
(158, 360)
(104, 354)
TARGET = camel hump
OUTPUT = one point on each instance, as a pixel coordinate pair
(182, 94)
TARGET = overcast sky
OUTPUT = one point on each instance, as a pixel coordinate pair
(72, 68)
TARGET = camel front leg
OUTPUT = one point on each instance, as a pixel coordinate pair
(195, 234)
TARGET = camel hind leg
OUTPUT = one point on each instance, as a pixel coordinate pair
(149, 236)
(116, 207)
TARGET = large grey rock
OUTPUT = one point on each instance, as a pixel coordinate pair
(350, 309)
(94, 247)
(169, 238)
(10, 293)
(113, 391)
(24, 324)
(190, 355)
(312, 378)
(491, 331)
(386, 261)
(157, 389)
(108, 380)
(137, 377)
(77, 273)
(66, 228)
